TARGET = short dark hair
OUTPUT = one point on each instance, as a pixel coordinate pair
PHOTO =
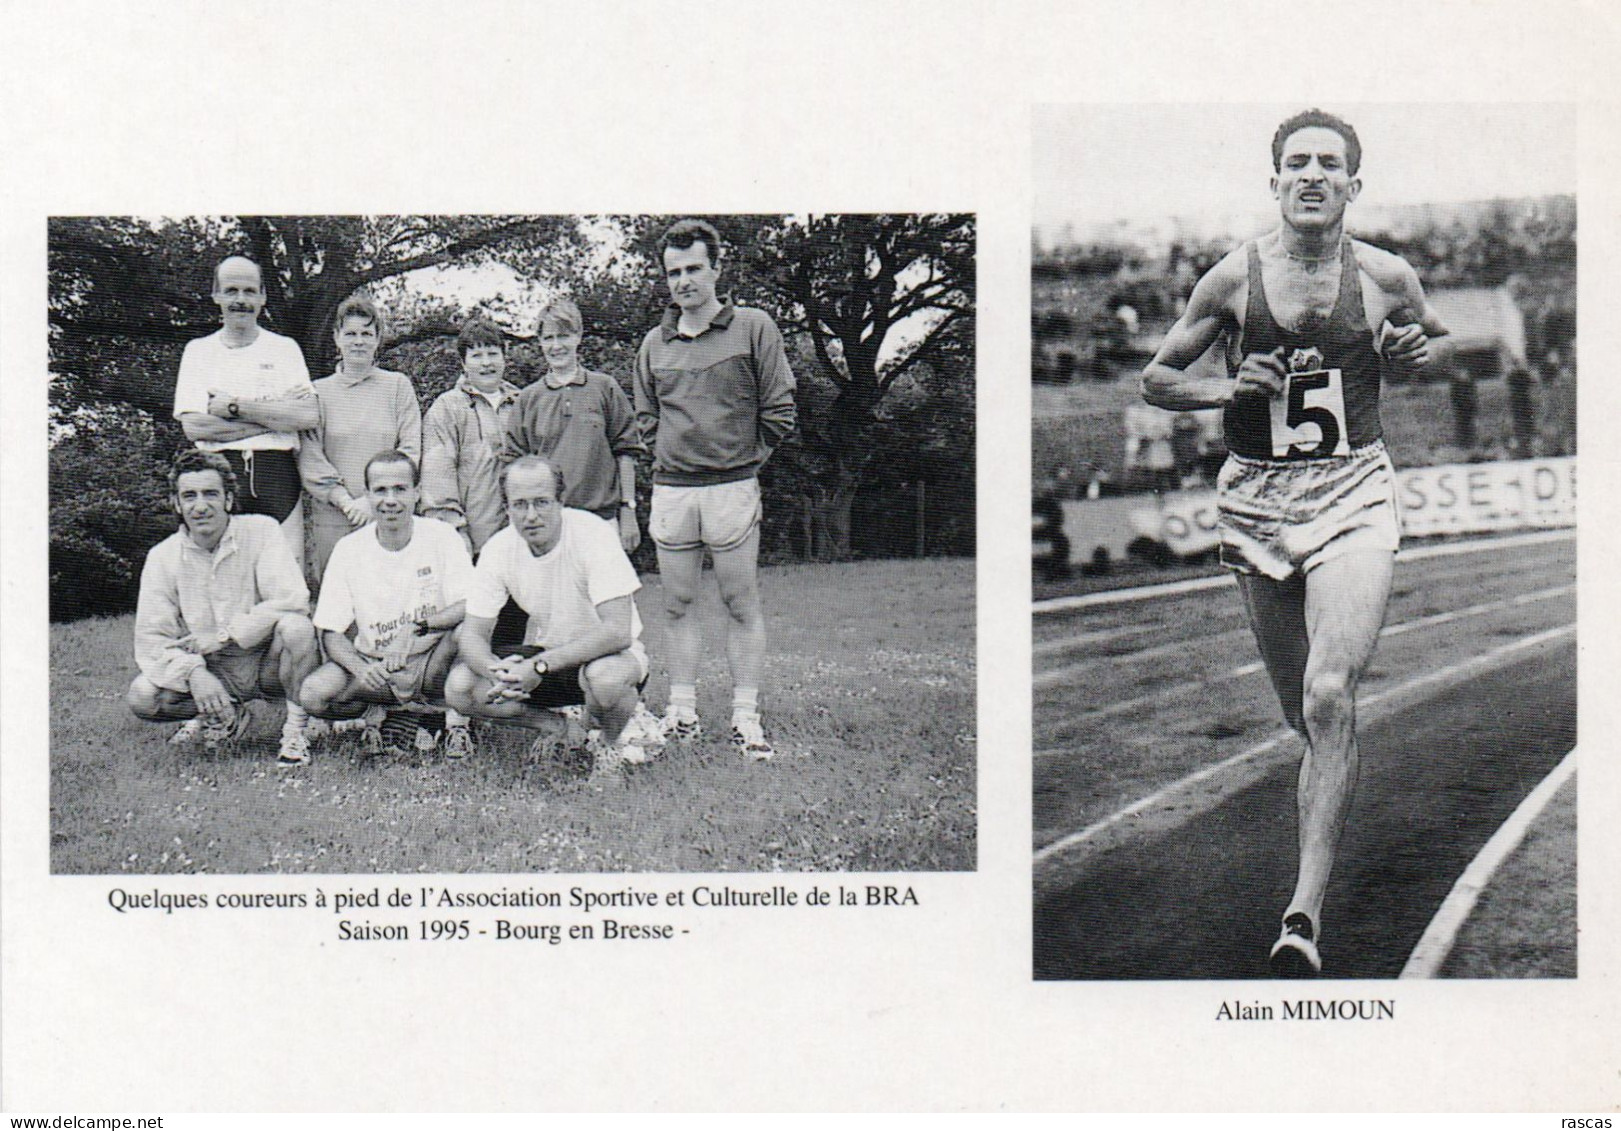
(393, 455)
(684, 233)
(478, 333)
(359, 306)
(195, 459)
(1322, 118)
(528, 462)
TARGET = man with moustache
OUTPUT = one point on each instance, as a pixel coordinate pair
(1312, 319)
(399, 584)
(567, 570)
(714, 398)
(245, 392)
(222, 616)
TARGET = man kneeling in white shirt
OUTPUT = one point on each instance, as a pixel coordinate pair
(222, 617)
(566, 569)
(400, 583)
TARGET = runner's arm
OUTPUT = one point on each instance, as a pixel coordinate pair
(1166, 382)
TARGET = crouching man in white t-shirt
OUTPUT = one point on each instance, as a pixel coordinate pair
(400, 583)
(566, 569)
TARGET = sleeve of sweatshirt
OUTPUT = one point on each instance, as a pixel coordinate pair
(441, 448)
(408, 419)
(776, 384)
(319, 475)
(159, 626)
(646, 392)
(624, 437)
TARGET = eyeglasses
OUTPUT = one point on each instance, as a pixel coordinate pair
(532, 504)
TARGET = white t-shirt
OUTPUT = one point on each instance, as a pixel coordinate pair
(271, 366)
(384, 592)
(562, 589)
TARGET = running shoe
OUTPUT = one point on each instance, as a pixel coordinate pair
(398, 733)
(680, 724)
(188, 732)
(748, 736)
(458, 741)
(644, 729)
(607, 759)
(371, 730)
(373, 717)
(295, 746)
(1294, 955)
(225, 730)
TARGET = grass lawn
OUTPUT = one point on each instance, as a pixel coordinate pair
(869, 700)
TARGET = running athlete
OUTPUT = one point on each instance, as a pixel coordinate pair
(1312, 320)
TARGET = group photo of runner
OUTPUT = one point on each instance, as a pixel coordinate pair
(512, 543)
(1303, 560)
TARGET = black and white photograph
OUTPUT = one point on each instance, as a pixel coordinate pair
(512, 544)
(1304, 547)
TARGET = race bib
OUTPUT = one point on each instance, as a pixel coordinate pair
(1309, 419)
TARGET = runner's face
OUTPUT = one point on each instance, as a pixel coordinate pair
(1314, 183)
(534, 509)
(239, 293)
(357, 341)
(393, 495)
(560, 345)
(484, 366)
(202, 503)
(691, 277)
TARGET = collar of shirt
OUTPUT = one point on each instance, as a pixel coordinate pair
(577, 379)
(669, 325)
(353, 381)
(505, 393)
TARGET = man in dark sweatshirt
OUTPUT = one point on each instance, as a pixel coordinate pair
(714, 396)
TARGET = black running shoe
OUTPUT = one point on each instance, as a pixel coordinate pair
(1294, 955)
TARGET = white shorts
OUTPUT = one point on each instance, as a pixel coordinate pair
(720, 516)
(1280, 517)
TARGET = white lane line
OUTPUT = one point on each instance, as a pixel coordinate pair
(1047, 679)
(1197, 584)
(1451, 674)
(1432, 950)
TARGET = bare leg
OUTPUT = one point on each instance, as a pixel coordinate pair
(1277, 611)
(680, 572)
(1345, 610)
(610, 691)
(736, 571)
(158, 704)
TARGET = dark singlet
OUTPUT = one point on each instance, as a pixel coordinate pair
(1332, 406)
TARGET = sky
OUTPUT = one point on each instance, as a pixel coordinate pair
(1096, 163)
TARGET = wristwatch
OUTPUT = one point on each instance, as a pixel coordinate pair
(541, 667)
(233, 410)
(224, 638)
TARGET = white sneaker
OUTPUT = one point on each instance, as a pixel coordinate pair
(748, 736)
(188, 732)
(644, 729)
(295, 745)
(680, 724)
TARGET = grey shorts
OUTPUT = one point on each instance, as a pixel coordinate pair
(1280, 517)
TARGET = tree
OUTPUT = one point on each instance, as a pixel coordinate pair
(871, 294)
(126, 294)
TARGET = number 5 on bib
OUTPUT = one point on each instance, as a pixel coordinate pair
(1309, 419)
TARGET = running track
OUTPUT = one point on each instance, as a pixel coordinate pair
(1140, 873)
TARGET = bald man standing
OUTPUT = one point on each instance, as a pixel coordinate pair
(245, 392)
